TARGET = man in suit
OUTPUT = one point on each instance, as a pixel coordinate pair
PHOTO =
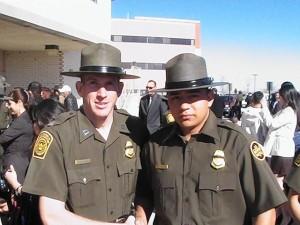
(152, 108)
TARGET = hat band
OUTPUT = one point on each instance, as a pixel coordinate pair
(189, 84)
(102, 69)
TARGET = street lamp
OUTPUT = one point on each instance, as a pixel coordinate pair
(254, 82)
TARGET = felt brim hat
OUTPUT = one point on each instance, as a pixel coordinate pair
(187, 71)
(101, 59)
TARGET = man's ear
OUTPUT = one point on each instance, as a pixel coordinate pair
(211, 97)
(79, 88)
(120, 88)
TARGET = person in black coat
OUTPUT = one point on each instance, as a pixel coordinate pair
(17, 139)
(153, 108)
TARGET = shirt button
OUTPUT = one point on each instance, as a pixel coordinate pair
(111, 212)
(132, 170)
(109, 189)
(217, 188)
(84, 180)
(107, 166)
(186, 200)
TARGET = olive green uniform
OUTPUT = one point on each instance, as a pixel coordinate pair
(74, 164)
(293, 178)
(192, 183)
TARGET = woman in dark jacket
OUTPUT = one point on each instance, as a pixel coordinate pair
(18, 137)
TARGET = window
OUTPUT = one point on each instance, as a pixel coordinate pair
(116, 38)
(138, 39)
(153, 40)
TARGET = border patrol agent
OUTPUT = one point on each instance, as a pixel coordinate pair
(202, 170)
(84, 166)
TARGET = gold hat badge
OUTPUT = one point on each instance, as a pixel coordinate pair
(129, 150)
(218, 160)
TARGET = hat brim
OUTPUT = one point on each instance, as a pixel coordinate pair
(193, 88)
(80, 73)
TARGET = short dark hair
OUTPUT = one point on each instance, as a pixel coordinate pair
(257, 97)
(46, 111)
(153, 81)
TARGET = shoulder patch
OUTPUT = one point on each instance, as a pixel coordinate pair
(42, 145)
(297, 161)
(257, 151)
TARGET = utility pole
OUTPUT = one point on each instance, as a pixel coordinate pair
(254, 82)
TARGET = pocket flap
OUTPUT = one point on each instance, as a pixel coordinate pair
(128, 166)
(217, 181)
(165, 180)
(83, 175)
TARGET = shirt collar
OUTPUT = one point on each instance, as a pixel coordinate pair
(209, 128)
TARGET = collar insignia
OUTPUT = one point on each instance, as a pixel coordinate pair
(218, 161)
(85, 132)
(129, 150)
(257, 151)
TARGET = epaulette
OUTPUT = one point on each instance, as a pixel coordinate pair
(63, 117)
(229, 125)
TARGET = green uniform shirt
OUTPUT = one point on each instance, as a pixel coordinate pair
(292, 179)
(218, 177)
(74, 164)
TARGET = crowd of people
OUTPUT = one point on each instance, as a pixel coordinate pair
(98, 164)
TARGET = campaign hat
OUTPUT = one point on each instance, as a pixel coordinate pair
(187, 71)
(101, 59)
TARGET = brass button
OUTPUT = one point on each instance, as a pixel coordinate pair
(217, 188)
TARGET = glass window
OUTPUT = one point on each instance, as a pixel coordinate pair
(157, 40)
(138, 39)
(116, 38)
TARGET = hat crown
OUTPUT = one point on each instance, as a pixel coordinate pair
(101, 55)
(185, 67)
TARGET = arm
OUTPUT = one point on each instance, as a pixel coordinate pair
(11, 177)
(266, 218)
(54, 212)
(294, 204)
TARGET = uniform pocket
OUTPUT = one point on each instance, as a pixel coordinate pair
(165, 188)
(213, 189)
(83, 184)
(128, 170)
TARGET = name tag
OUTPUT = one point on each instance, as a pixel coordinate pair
(161, 167)
(82, 161)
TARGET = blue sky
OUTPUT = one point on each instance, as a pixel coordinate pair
(266, 32)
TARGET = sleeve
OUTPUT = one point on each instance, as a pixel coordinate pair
(141, 115)
(292, 179)
(12, 132)
(46, 174)
(279, 120)
(260, 188)
(144, 195)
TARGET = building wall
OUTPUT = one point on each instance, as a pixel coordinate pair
(84, 19)
(22, 67)
(151, 42)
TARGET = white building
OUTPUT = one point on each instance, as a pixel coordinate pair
(64, 26)
(146, 45)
